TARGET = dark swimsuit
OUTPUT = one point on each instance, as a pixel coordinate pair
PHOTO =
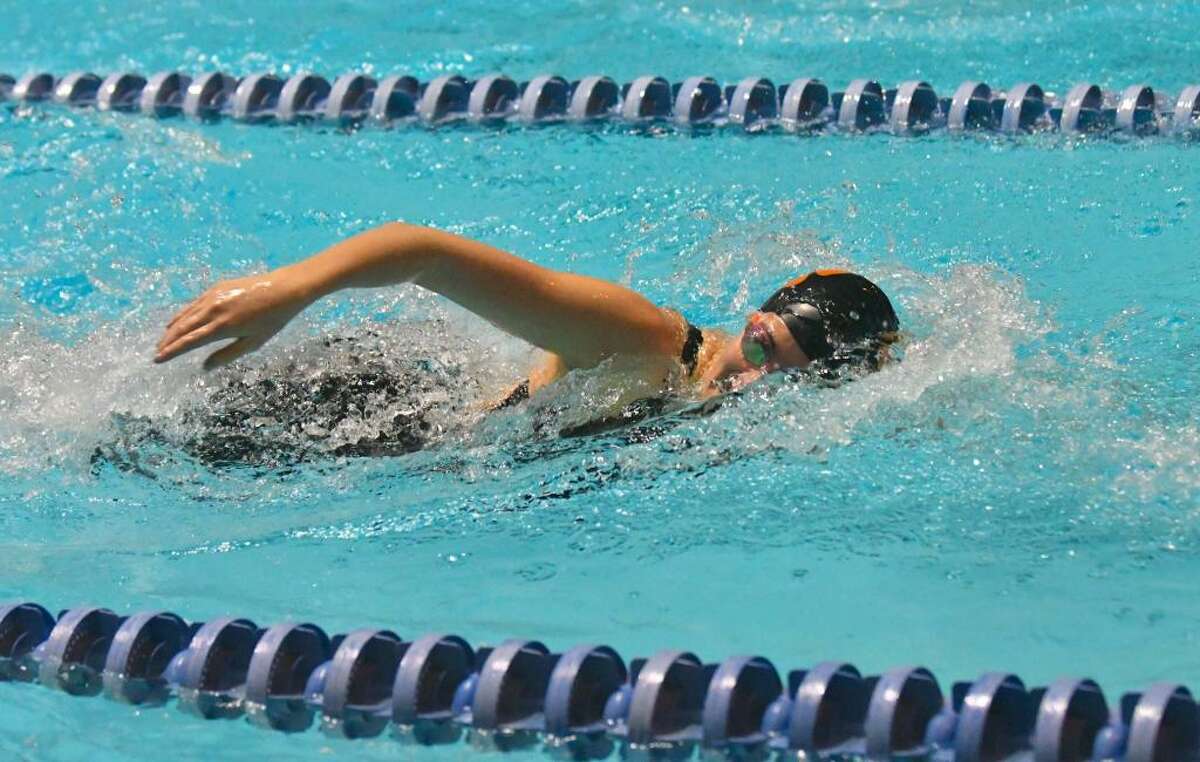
(634, 411)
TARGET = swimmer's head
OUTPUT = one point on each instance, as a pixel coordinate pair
(825, 321)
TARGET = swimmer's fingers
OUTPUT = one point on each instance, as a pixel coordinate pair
(233, 351)
(198, 318)
(194, 305)
(201, 301)
(205, 334)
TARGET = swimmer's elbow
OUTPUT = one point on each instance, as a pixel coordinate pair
(404, 238)
(412, 248)
(401, 228)
(423, 242)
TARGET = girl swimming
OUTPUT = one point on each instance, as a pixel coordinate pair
(828, 319)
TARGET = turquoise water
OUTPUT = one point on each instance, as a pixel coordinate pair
(1021, 492)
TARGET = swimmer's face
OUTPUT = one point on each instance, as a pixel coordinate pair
(764, 346)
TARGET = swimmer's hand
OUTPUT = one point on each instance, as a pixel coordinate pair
(250, 310)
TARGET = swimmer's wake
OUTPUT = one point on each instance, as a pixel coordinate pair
(365, 400)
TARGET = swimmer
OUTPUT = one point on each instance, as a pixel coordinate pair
(825, 320)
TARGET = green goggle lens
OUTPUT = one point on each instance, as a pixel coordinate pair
(754, 352)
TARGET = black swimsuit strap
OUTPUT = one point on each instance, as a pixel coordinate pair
(516, 396)
(691, 348)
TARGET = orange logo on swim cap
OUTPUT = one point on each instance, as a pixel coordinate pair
(827, 271)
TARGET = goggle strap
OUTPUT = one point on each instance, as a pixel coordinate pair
(807, 327)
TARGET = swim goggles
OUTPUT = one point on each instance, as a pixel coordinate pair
(757, 344)
(805, 324)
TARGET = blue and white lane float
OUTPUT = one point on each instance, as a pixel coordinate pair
(584, 702)
(804, 105)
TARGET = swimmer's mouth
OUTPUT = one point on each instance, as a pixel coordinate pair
(723, 385)
(735, 381)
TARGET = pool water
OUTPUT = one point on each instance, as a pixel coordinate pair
(1020, 492)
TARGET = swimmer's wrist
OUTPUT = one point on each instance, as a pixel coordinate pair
(303, 283)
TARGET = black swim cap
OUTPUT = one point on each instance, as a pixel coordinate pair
(835, 316)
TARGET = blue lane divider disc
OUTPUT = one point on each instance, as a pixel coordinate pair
(1071, 714)
(163, 94)
(804, 103)
(543, 98)
(33, 86)
(210, 673)
(1082, 109)
(357, 691)
(579, 688)
(512, 685)
(1164, 724)
(595, 97)
(278, 671)
(207, 95)
(752, 101)
(444, 99)
(914, 109)
(697, 100)
(971, 107)
(1135, 110)
(23, 627)
(829, 708)
(1024, 106)
(120, 92)
(646, 98)
(1186, 116)
(301, 97)
(395, 98)
(255, 97)
(666, 702)
(903, 703)
(141, 650)
(77, 89)
(349, 98)
(738, 696)
(72, 658)
(427, 680)
(492, 98)
(996, 716)
(861, 105)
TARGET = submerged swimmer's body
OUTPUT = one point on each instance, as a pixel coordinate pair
(826, 319)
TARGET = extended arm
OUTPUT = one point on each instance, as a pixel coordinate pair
(582, 320)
